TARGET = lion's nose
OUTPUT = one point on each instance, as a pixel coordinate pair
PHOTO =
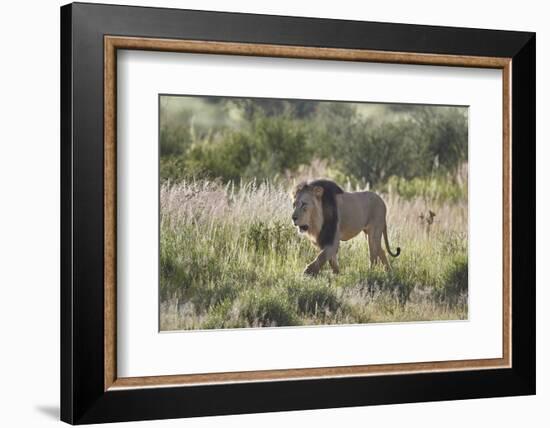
(294, 218)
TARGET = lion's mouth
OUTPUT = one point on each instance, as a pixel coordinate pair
(303, 228)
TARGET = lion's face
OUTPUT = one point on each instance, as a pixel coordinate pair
(307, 215)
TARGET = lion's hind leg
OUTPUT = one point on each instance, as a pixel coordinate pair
(383, 258)
(333, 261)
(376, 253)
(372, 250)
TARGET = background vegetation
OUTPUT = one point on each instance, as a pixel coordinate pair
(229, 254)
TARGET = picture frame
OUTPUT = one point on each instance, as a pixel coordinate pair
(91, 35)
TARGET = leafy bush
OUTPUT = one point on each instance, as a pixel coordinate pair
(376, 152)
(226, 157)
(416, 149)
(262, 236)
(456, 280)
(446, 131)
(270, 308)
(174, 140)
(314, 299)
(279, 144)
(270, 146)
(437, 188)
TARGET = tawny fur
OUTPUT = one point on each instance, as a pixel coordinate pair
(356, 212)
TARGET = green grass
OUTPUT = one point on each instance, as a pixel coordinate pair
(230, 258)
(436, 188)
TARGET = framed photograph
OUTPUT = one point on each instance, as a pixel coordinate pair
(265, 213)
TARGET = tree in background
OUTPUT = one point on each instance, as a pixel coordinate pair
(231, 139)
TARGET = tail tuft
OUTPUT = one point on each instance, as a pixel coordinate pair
(398, 250)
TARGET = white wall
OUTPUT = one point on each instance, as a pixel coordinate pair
(29, 213)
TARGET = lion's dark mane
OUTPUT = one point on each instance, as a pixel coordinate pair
(330, 210)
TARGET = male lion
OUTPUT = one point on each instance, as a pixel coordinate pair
(328, 215)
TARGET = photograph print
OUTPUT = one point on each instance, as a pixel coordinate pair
(290, 212)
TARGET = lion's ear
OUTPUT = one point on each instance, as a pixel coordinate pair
(318, 191)
(298, 188)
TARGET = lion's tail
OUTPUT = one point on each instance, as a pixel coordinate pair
(397, 251)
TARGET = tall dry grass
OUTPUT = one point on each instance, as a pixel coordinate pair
(230, 258)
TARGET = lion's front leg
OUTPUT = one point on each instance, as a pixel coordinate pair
(313, 268)
(327, 253)
(334, 264)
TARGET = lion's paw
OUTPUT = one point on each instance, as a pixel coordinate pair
(312, 269)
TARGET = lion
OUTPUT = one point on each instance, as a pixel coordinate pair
(327, 215)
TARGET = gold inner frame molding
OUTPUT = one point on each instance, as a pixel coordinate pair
(113, 43)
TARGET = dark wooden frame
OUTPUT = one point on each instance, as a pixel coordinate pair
(90, 35)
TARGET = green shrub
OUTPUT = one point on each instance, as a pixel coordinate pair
(455, 280)
(270, 308)
(225, 157)
(376, 151)
(279, 144)
(173, 168)
(244, 139)
(273, 236)
(174, 140)
(314, 298)
(435, 188)
(445, 129)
